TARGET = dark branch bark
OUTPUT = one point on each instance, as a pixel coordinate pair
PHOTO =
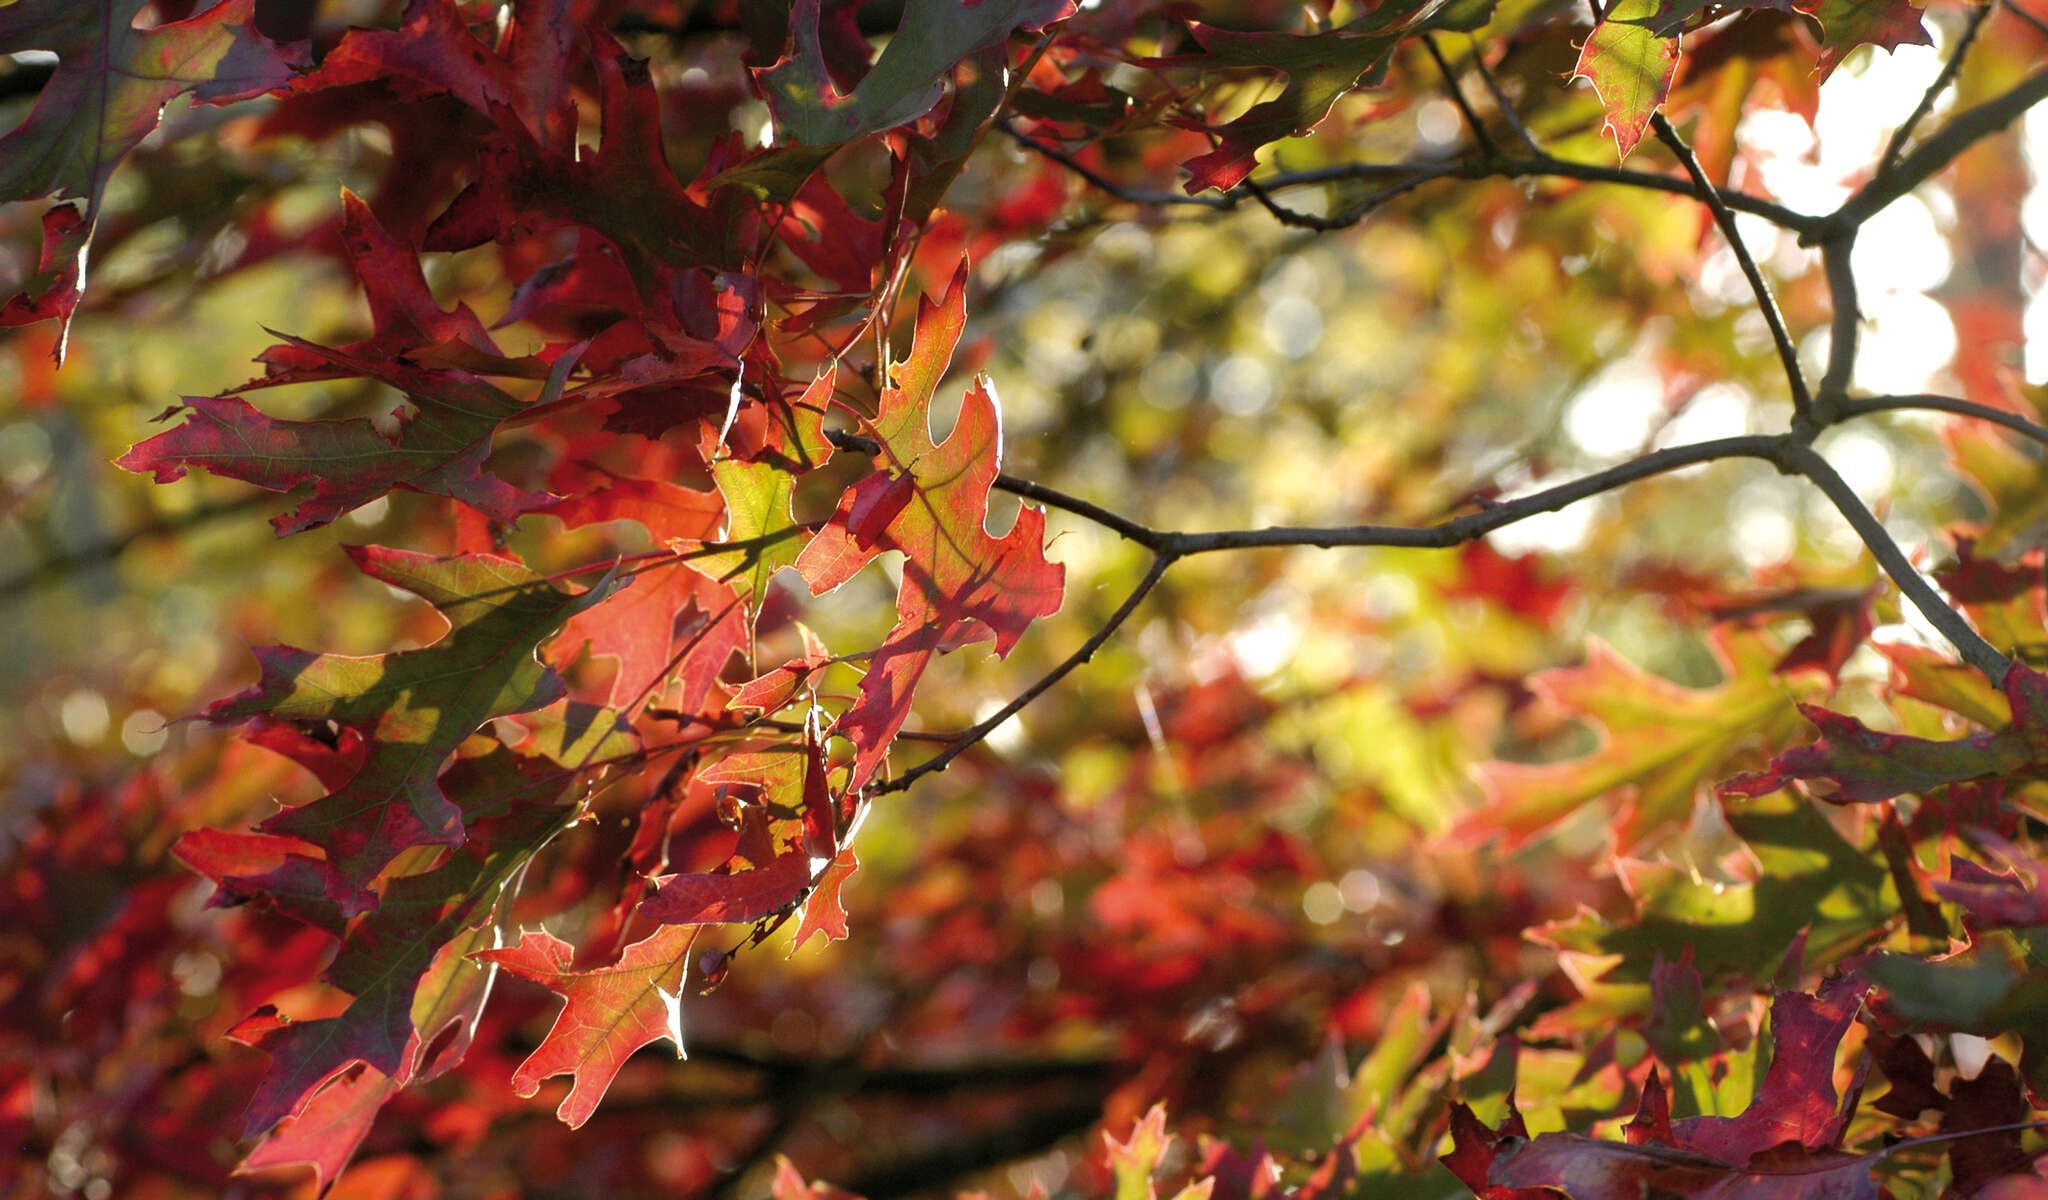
(1803, 460)
(64, 564)
(1948, 404)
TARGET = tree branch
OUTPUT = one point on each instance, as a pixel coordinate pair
(1103, 183)
(1889, 160)
(65, 563)
(1095, 642)
(1845, 325)
(1963, 130)
(1412, 173)
(1459, 530)
(958, 1155)
(1801, 459)
(1457, 95)
(1948, 404)
(1124, 527)
(1788, 354)
(1502, 103)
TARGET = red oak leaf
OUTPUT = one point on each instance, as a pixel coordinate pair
(789, 828)
(328, 1130)
(1475, 1148)
(609, 1012)
(52, 292)
(106, 95)
(385, 957)
(412, 708)
(672, 621)
(1630, 58)
(441, 443)
(1589, 1169)
(1847, 24)
(433, 52)
(1992, 1101)
(1782, 1147)
(790, 1185)
(625, 191)
(1661, 743)
(1520, 583)
(1852, 763)
(738, 897)
(285, 873)
(1796, 1101)
(2013, 898)
(773, 689)
(931, 502)
(1908, 1070)
(824, 912)
(904, 83)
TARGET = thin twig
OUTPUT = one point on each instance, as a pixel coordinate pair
(1095, 642)
(1948, 404)
(1459, 530)
(1897, 145)
(1788, 354)
(1539, 166)
(1457, 95)
(1124, 527)
(1963, 131)
(1802, 459)
(1103, 183)
(1295, 218)
(2012, 7)
(1501, 102)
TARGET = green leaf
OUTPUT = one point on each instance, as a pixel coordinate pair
(414, 707)
(904, 83)
(1631, 64)
(1808, 878)
(763, 535)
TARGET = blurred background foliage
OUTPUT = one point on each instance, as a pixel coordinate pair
(1223, 835)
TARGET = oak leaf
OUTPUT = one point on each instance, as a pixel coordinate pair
(1783, 1146)
(608, 1013)
(930, 501)
(412, 708)
(1630, 58)
(672, 622)
(906, 80)
(442, 439)
(1852, 763)
(1661, 743)
(1319, 70)
(387, 954)
(106, 95)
